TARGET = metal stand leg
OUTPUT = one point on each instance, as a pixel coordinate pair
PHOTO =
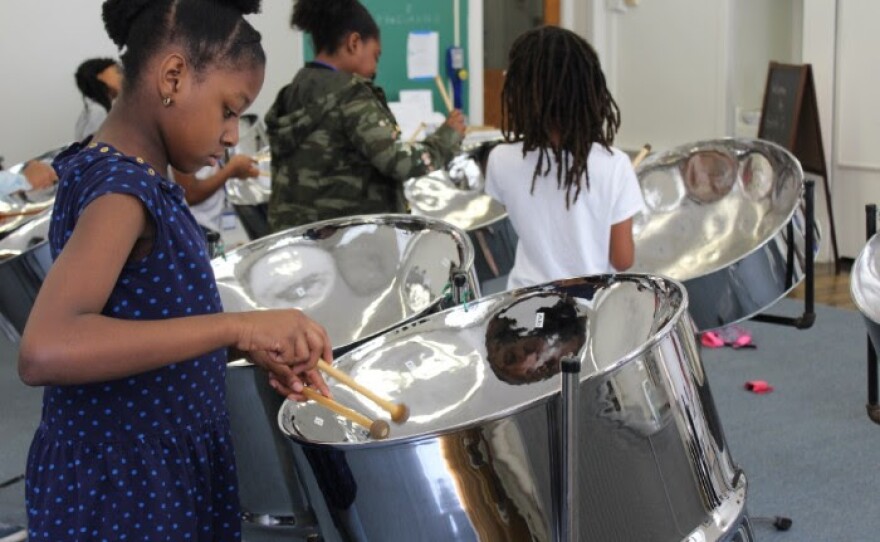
(872, 406)
(805, 320)
(568, 521)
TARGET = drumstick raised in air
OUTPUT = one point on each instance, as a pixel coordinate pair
(642, 154)
(444, 94)
(379, 429)
(399, 412)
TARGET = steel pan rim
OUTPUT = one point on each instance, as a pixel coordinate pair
(379, 219)
(461, 238)
(711, 144)
(472, 194)
(660, 335)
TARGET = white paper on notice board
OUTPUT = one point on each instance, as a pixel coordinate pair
(422, 55)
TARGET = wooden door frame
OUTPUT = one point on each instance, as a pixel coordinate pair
(493, 80)
(552, 12)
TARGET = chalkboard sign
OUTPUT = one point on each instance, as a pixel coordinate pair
(396, 19)
(790, 115)
(782, 104)
(790, 118)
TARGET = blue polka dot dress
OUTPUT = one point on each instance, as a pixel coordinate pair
(145, 458)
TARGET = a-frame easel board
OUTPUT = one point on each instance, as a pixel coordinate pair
(790, 118)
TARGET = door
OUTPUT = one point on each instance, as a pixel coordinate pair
(505, 20)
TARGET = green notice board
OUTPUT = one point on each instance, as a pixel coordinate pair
(396, 19)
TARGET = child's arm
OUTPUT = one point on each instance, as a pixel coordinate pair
(374, 133)
(622, 251)
(196, 190)
(68, 341)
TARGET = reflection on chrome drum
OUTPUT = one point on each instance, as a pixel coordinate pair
(457, 195)
(725, 217)
(250, 197)
(358, 277)
(479, 457)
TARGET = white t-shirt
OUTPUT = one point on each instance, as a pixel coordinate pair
(90, 119)
(555, 243)
(210, 212)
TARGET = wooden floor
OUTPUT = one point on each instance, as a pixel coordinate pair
(830, 289)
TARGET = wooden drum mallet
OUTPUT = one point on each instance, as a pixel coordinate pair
(399, 411)
(641, 155)
(379, 429)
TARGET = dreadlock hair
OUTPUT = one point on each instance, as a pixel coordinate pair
(555, 100)
(330, 21)
(211, 32)
(89, 85)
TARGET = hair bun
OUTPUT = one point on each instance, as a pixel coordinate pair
(309, 15)
(119, 16)
(246, 7)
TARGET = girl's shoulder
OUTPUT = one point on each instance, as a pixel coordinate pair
(91, 168)
(88, 156)
(505, 150)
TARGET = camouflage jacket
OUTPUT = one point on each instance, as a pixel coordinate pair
(336, 150)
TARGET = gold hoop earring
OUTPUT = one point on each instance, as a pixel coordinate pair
(166, 101)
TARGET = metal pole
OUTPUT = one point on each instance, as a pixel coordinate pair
(809, 309)
(870, 230)
(571, 371)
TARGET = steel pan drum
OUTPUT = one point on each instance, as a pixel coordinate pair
(457, 195)
(250, 197)
(726, 218)
(21, 275)
(478, 458)
(26, 206)
(358, 277)
(865, 287)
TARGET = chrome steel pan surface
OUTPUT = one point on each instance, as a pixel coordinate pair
(725, 217)
(478, 457)
(253, 191)
(865, 286)
(253, 142)
(357, 276)
(26, 235)
(20, 208)
(21, 276)
(456, 194)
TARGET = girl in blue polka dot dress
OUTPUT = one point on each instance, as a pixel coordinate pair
(128, 333)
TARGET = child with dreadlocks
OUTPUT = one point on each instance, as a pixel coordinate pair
(569, 194)
(128, 333)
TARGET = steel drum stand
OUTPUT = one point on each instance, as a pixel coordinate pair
(808, 318)
(805, 320)
(568, 450)
(872, 406)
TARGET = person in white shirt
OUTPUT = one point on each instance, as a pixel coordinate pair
(205, 194)
(569, 194)
(99, 80)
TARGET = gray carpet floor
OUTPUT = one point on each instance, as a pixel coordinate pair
(808, 449)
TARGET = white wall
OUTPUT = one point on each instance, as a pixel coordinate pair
(855, 121)
(669, 72)
(762, 32)
(43, 41)
(475, 28)
(41, 44)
